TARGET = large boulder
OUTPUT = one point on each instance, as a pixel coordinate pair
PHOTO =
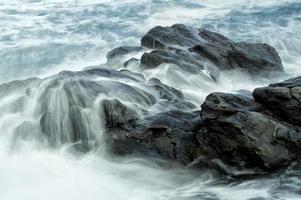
(231, 130)
(239, 134)
(74, 107)
(197, 51)
(187, 46)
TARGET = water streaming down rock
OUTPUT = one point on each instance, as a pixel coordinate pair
(76, 107)
(147, 108)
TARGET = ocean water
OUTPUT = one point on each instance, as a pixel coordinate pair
(40, 38)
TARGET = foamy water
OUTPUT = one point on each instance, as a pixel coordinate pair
(39, 38)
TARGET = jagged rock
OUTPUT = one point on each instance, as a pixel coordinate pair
(166, 135)
(74, 107)
(231, 130)
(282, 99)
(238, 133)
(189, 48)
(197, 51)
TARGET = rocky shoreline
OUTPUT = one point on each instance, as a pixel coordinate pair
(259, 130)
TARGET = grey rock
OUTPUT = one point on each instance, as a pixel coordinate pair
(166, 135)
(238, 133)
(122, 51)
(189, 48)
(282, 99)
(117, 114)
(233, 132)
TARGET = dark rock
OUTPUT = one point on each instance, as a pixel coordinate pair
(282, 99)
(255, 59)
(166, 135)
(122, 51)
(238, 133)
(66, 97)
(72, 106)
(117, 114)
(170, 97)
(213, 36)
(232, 132)
(175, 36)
(185, 60)
(179, 45)
(165, 91)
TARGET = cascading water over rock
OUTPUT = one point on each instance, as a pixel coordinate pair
(184, 113)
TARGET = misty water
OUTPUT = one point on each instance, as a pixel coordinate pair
(41, 38)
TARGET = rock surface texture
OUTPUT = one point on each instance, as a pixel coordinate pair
(193, 50)
(234, 129)
(147, 117)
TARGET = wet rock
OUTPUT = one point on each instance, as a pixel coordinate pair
(72, 102)
(165, 91)
(132, 62)
(197, 51)
(282, 99)
(122, 51)
(239, 134)
(117, 114)
(73, 107)
(256, 59)
(192, 49)
(232, 133)
(185, 60)
(176, 36)
(166, 135)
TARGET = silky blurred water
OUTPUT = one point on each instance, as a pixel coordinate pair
(39, 38)
(47, 36)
